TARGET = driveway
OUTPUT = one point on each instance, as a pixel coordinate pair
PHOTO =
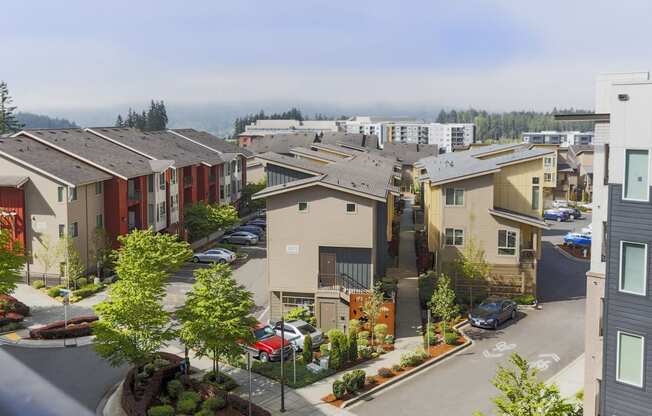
(561, 278)
(550, 338)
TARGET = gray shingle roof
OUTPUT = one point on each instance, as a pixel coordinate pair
(38, 156)
(96, 150)
(365, 173)
(213, 142)
(457, 165)
(12, 181)
(315, 153)
(409, 153)
(162, 145)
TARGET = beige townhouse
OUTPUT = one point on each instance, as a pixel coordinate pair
(328, 230)
(493, 197)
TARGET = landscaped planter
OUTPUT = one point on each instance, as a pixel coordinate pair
(576, 252)
(77, 327)
(11, 304)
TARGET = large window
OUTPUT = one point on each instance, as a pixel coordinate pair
(454, 237)
(73, 230)
(633, 267)
(506, 242)
(636, 175)
(535, 197)
(60, 194)
(454, 197)
(630, 359)
(291, 302)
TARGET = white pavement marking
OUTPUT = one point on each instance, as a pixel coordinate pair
(497, 351)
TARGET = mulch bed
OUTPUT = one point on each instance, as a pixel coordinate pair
(577, 252)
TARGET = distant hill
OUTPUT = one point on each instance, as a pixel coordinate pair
(38, 121)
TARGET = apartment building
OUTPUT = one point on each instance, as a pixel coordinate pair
(493, 196)
(329, 223)
(450, 137)
(261, 128)
(559, 138)
(619, 306)
(46, 195)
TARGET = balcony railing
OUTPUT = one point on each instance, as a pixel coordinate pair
(340, 282)
(133, 195)
(528, 257)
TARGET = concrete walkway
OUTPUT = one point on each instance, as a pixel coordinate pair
(408, 312)
(570, 380)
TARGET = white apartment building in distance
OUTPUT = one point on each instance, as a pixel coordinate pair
(268, 127)
(560, 138)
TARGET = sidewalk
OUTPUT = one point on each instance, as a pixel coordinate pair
(570, 380)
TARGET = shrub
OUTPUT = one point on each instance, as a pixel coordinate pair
(385, 372)
(81, 282)
(525, 299)
(371, 381)
(55, 291)
(301, 313)
(213, 403)
(364, 352)
(190, 395)
(450, 338)
(413, 359)
(222, 381)
(431, 334)
(396, 368)
(389, 339)
(354, 326)
(339, 389)
(380, 330)
(363, 335)
(38, 284)
(324, 350)
(174, 388)
(352, 345)
(379, 340)
(335, 358)
(164, 410)
(359, 378)
(205, 412)
(186, 407)
(363, 342)
(307, 349)
(87, 290)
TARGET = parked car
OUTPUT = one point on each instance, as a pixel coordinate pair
(588, 230)
(573, 213)
(296, 332)
(267, 345)
(560, 203)
(250, 229)
(214, 255)
(577, 239)
(491, 313)
(555, 215)
(258, 222)
(240, 237)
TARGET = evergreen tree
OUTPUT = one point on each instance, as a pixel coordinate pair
(154, 119)
(8, 122)
(119, 122)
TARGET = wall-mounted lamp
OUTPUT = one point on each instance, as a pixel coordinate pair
(623, 97)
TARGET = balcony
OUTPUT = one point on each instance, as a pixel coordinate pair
(133, 196)
(187, 181)
(211, 178)
(340, 283)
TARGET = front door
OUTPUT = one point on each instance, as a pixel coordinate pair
(327, 315)
(327, 270)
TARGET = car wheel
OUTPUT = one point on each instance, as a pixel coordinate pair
(263, 356)
(558, 219)
(496, 323)
(513, 315)
(248, 242)
(195, 259)
(221, 261)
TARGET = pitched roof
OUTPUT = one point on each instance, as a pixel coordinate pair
(459, 165)
(94, 150)
(365, 173)
(409, 153)
(518, 217)
(13, 181)
(44, 159)
(162, 145)
(214, 142)
(311, 153)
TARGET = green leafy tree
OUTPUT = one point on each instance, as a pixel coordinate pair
(8, 121)
(471, 264)
(102, 250)
(49, 254)
(74, 268)
(372, 307)
(216, 316)
(133, 324)
(442, 302)
(249, 190)
(11, 262)
(522, 394)
(202, 219)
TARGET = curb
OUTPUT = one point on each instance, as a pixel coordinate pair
(99, 411)
(413, 371)
(569, 257)
(54, 343)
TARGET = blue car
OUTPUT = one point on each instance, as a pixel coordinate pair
(577, 239)
(555, 215)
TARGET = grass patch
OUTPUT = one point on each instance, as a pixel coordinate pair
(273, 370)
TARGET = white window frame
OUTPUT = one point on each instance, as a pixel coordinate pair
(454, 230)
(642, 377)
(620, 268)
(549, 174)
(60, 196)
(507, 231)
(454, 192)
(72, 194)
(647, 188)
(303, 211)
(173, 176)
(355, 208)
(73, 230)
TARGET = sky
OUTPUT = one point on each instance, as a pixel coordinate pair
(492, 54)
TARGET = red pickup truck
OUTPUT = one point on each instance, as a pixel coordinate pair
(267, 345)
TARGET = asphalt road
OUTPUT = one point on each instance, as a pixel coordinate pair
(53, 381)
(550, 338)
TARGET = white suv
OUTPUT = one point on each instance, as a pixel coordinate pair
(296, 332)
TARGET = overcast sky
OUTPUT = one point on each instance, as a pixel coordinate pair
(499, 55)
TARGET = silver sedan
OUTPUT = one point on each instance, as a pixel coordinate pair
(215, 255)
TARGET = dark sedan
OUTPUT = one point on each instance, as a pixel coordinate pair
(491, 313)
(250, 229)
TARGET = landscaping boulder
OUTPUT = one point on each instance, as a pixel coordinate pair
(77, 327)
(11, 304)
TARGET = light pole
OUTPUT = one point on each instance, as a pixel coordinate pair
(282, 365)
(250, 383)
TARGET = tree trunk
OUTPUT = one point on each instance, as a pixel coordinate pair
(215, 362)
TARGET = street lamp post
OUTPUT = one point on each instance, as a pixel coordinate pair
(282, 365)
(250, 383)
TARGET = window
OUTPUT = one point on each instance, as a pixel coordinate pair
(535, 180)
(291, 302)
(303, 207)
(173, 176)
(506, 243)
(228, 189)
(454, 237)
(99, 221)
(221, 191)
(161, 181)
(62, 230)
(99, 187)
(150, 213)
(535, 197)
(60, 194)
(150, 183)
(72, 194)
(73, 230)
(161, 212)
(351, 208)
(630, 359)
(636, 175)
(603, 251)
(547, 177)
(606, 164)
(454, 197)
(601, 321)
(547, 161)
(633, 267)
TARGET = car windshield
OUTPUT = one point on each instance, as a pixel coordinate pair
(306, 329)
(264, 332)
(490, 307)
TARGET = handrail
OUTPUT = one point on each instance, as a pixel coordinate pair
(340, 282)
